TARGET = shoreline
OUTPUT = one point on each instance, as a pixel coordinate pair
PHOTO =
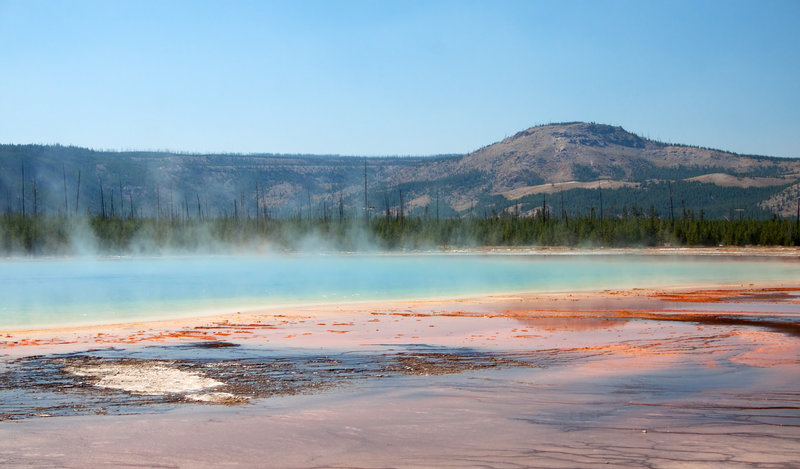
(661, 377)
(739, 251)
(186, 310)
(299, 319)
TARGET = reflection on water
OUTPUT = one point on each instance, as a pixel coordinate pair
(571, 324)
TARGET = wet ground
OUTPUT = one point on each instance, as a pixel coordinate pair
(158, 378)
(689, 378)
(584, 409)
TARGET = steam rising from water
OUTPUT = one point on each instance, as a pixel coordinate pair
(100, 290)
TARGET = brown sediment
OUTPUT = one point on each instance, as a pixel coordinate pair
(765, 294)
(105, 382)
(431, 364)
(547, 312)
(786, 327)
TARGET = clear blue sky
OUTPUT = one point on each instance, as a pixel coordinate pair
(395, 77)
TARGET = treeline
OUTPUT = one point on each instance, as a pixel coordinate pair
(71, 181)
(60, 235)
(584, 232)
(671, 200)
(52, 179)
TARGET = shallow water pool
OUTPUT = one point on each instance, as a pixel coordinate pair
(51, 292)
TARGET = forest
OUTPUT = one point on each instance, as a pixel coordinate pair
(103, 234)
(58, 200)
(74, 181)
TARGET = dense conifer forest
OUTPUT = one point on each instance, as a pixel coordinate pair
(60, 235)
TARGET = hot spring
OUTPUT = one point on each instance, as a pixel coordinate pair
(74, 291)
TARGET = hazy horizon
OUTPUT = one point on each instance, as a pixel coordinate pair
(270, 154)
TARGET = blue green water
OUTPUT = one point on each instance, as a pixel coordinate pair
(50, 292)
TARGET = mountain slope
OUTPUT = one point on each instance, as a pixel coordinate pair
(572, 160)
(583, 152)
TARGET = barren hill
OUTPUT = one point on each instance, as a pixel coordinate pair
(581, 152)
(572, 162)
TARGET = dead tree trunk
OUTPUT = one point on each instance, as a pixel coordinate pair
(78, 192)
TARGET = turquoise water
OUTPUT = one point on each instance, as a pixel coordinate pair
(50, 292)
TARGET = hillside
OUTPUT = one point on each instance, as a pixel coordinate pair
(568, 163)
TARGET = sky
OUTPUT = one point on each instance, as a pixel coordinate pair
(387, 77)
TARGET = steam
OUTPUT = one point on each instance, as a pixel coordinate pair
(88, 237)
